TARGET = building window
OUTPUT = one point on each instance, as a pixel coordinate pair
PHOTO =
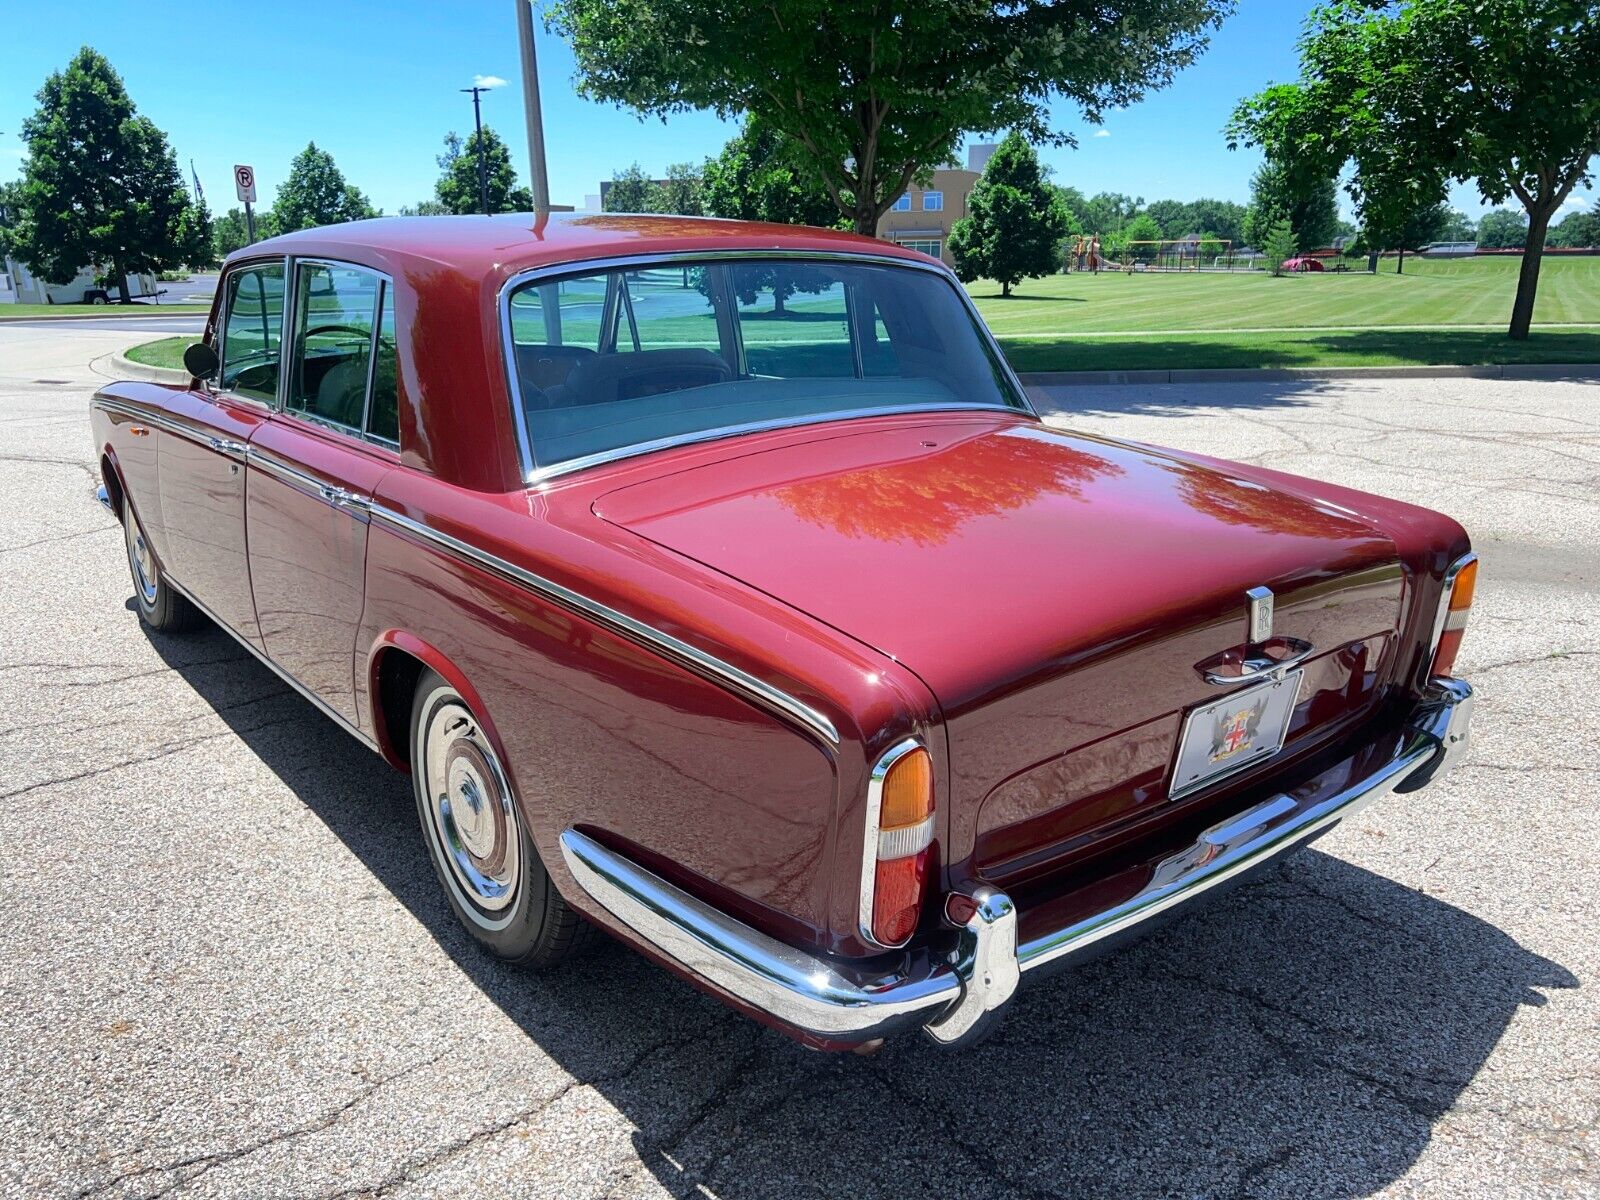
(928, 246)
(903, 204)
(932, 201)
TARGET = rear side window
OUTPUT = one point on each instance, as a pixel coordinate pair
(251, 333)
(335, 315)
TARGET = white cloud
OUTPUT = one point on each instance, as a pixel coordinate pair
(1102, 133)
(1575, 202)
(488, 81)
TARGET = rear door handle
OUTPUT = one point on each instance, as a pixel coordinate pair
(224, 446)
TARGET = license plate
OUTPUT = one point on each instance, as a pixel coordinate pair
(1233, 733)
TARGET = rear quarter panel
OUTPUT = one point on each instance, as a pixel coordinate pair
(724, 798)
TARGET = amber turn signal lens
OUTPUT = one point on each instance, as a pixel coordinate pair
(1466, 581)
(907, 791)
(1455, 618)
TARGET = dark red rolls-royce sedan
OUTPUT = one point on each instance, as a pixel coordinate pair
(719, 588)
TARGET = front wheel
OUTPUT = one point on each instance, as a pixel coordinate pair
(477, 838)
(161, 606)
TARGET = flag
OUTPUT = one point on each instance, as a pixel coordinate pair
(199, 195)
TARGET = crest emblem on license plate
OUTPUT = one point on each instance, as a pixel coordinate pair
(1235, 732)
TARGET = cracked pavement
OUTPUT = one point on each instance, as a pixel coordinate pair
(226, 968)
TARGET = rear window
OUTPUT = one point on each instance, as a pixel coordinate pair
(618, 360)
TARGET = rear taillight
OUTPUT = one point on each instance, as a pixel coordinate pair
(898, 845)
(1459, 582)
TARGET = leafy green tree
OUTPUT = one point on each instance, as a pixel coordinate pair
(1504, 93)
(231, 232)
(1143, 228)
(457, 188)
(426, 208)
(879, 96)
(1015, 222)
(1279, 245)
(197, 238)
(1224, 218)
(1458, 227)
(681, 193)
(1577, 229)
(759, 176)
(1074, 202)
(1502, 229)
(1309, 201)
(1106, 213)
(100, 185)
(1172, 217)
(632, 191)
(317, 193)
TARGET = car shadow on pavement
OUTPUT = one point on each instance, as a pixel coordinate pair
(1300, 1036)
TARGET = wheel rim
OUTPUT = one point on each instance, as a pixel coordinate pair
(472, 818)
(145, 573)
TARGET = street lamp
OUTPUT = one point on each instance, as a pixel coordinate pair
(477, 89)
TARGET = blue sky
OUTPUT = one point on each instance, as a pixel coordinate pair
(376, 84)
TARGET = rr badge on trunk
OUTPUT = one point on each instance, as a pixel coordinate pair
(1258, 609)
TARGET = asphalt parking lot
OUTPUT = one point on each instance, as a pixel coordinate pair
(226, 968)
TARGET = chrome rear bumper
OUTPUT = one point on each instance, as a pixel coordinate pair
(952, 998)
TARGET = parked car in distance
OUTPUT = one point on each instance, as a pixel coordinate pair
(719, 588)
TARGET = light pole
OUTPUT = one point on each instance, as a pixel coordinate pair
(537, 177)
(483, 171)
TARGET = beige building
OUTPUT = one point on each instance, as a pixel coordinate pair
(921, 219)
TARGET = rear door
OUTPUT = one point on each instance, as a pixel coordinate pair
(203, 452)
(313, 469)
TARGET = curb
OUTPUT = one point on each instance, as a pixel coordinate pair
(126, 368)
(135, 314)
(1281, 374)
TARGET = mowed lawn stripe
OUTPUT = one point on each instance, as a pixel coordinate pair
(1440, 294)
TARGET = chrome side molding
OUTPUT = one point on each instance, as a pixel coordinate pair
(697, 660)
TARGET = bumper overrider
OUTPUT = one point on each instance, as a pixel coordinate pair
(954, 998)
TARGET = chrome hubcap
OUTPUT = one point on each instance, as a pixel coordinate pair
(473, 819)
(144, 563)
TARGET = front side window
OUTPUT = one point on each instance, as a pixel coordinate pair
(251, 332)
(335, 311)
(614, 360)
(932, 201)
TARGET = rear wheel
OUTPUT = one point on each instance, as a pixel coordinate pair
(161, 606)
(477, 838)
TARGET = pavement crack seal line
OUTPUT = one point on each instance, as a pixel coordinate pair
(165, 750)
(414, 1168)
(1552, 656)
(217, 1158)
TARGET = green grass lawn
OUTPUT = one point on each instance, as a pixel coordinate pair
(168, 352)
(1443, 311)
(1450, 311)
(33, 311)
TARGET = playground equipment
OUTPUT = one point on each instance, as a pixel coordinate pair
(1166, 254)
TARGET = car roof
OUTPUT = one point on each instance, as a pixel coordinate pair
(507, 243)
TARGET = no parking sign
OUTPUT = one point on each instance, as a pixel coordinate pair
(244, 182)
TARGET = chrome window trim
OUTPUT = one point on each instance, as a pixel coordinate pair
(707, 665)
(223, 309)
(871, 840)
(1443, 615)
(551, 272)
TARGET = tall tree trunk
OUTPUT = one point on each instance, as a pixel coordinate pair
(1372, 262)
(122, 284)
(1005, 289)
(1528, 277)
(1400, 263)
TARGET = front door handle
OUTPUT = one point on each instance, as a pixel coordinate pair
(343, 498)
